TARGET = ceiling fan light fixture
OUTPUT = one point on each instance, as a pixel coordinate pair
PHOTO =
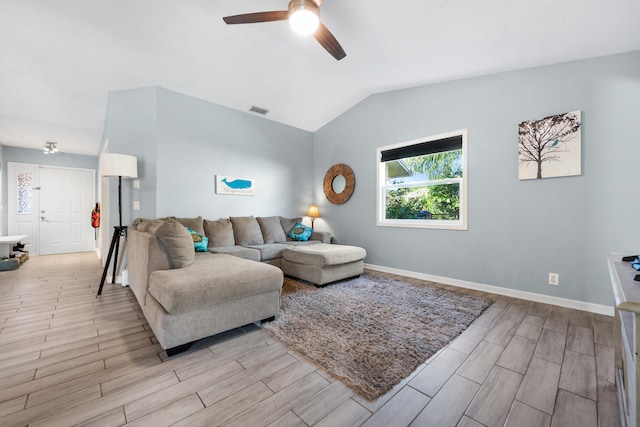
(304, 16)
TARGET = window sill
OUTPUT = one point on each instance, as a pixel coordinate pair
(419, 223)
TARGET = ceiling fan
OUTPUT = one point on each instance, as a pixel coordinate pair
(304, 18)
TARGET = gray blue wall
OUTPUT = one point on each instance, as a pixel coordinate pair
(182, 143)
(131, 128)
(198, 140)
(519, 231)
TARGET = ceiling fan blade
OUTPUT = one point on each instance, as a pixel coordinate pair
(329, 42)
(252, 18)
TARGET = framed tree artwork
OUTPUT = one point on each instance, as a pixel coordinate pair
(550, 147)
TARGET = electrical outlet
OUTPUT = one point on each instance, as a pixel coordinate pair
(554, 279)
(135, 183)
(136, 205)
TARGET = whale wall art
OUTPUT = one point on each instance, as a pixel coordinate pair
(232, 185)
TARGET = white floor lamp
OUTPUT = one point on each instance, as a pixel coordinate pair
(122, 166)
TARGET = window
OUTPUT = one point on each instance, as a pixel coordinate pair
(423, 183)
(24, 192)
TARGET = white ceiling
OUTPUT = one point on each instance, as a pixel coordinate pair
(60, 59)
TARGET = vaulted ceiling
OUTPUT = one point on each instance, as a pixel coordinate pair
(60, 59)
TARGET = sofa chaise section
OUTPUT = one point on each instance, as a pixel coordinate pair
(321, 264)
(211, 280)
(185, 301)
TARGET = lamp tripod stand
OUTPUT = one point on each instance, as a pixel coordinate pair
(118, 232)
(120, 165)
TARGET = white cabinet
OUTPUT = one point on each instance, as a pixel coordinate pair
(627, 338)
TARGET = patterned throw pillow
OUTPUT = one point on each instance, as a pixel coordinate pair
(199, 241)
(288, 224)
(300, 232)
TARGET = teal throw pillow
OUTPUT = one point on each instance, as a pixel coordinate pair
(200, 242)
(300, 232)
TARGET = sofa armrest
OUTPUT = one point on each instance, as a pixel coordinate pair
(323, 236)
(145, 256)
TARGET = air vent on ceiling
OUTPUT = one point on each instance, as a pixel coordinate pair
(258, 110)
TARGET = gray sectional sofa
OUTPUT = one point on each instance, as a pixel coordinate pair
(261, 239)
(187, 295)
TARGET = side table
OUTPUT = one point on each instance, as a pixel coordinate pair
(6, 242)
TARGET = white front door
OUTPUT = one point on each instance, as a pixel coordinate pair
(66, 200)
(53, 206)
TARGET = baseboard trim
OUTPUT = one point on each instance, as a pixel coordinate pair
(529, 296)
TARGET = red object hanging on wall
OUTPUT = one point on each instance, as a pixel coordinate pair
(95, 216)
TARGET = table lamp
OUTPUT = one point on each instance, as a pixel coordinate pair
(314, 213)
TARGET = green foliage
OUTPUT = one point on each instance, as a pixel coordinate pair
(437, 166)
(439, 202)
(402, 205)
(444, 201)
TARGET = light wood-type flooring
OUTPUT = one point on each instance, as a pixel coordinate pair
(69, 358)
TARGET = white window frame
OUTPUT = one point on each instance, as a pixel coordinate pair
(382, 187)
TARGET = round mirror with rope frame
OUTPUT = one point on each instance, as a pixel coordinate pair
(349, 183)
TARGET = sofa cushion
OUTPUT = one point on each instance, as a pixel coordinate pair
(211, 280)
(288, 224)
(322, 236)
(246, 230)
(271, 228)
(177, 243)
(239, 251)
(219, 233)
(193, 223)
(300, 232)
(269, 251)
(323, 254)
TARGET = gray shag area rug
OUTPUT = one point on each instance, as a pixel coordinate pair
(371, 332)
